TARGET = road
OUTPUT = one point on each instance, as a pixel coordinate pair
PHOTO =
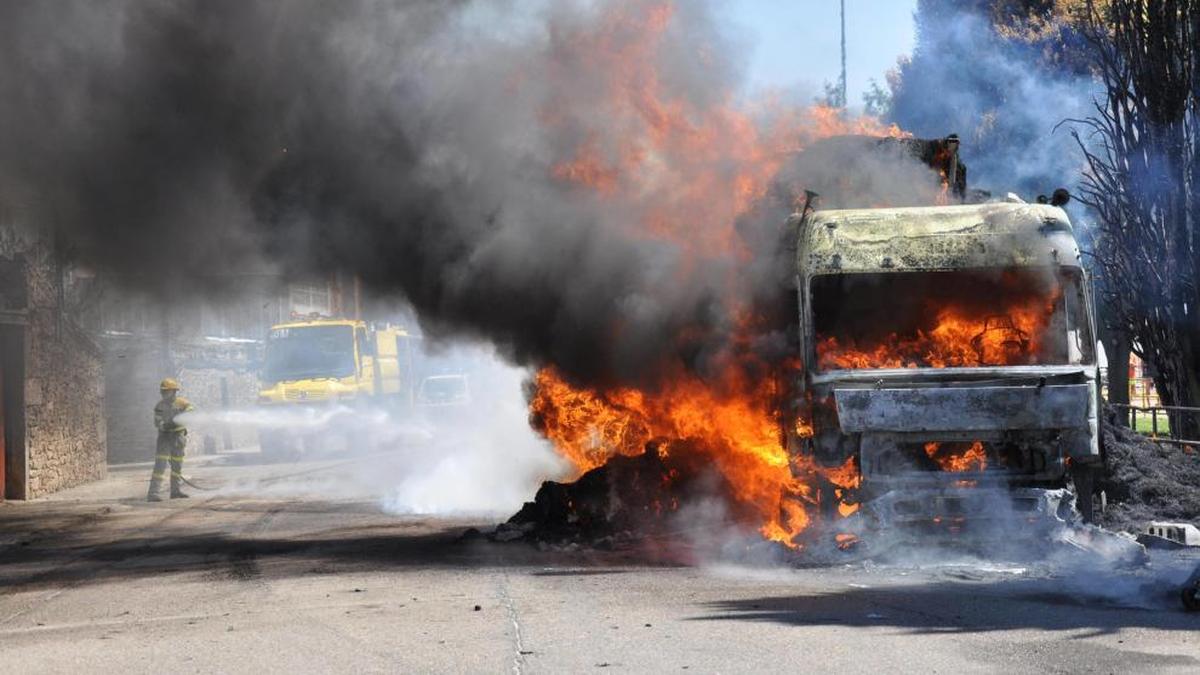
(275, 575)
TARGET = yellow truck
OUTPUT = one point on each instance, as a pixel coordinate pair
(320, 365)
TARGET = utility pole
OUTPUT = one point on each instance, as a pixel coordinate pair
(842, 80)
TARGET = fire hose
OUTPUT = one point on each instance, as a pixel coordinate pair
(273, 479)
(188, 482)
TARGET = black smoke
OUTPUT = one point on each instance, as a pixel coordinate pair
(179, 145)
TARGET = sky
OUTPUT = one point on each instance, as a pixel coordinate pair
(796, 42)
(789, 44)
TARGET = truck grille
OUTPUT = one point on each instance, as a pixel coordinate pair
(301, 395)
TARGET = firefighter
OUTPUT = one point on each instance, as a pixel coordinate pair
(172, 439)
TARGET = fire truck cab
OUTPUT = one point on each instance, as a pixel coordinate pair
(949, 350)
(315, 365)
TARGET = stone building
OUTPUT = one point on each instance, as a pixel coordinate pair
(51, 381)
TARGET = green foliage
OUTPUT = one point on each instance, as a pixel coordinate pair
(833, 96)
(877, 101)
(1143, 182)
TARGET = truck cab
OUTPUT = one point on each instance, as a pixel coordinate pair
(321, 360)
(321, 363)
(947, 350)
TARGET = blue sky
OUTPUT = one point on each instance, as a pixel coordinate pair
(796, 42)
(788, 44)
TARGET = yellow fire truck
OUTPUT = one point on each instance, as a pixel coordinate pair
(319, 364)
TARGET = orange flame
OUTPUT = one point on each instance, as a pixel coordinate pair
(739, 431)
(685, 172)
(962, 336)
(953, 457)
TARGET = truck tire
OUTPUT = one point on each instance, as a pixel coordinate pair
(273, 445)
(1083, 476)
(1191, 596)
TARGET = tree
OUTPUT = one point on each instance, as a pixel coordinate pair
(1004, 74)
(877, 101)
(1000, 74)
(1142, 148)
(833, 96)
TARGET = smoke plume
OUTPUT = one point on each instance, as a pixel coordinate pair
(176, 145)
(1003, 83)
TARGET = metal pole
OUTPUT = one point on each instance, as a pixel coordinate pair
(1154, 423)
(845, 99)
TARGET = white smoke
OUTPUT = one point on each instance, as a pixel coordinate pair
(478, 458)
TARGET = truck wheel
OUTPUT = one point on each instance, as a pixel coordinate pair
(1191, 597)
(358, 442)
(1083, 476)
(273, 445)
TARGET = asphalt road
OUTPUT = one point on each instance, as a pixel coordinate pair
(272, 574)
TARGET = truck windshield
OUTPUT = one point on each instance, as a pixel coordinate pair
(300, 353)
(950, 319)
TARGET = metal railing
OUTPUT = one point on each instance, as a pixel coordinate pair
(1160, 427)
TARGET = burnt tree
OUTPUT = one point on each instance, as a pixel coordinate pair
(1142, 148)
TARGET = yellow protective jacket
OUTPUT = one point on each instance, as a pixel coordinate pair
(165, 412)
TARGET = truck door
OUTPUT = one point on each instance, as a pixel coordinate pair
(368, 365)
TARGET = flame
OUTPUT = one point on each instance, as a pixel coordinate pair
(735, 425)
(962, 337)
(670, 156)
(804, 428)
(943, 196)
(952, 457)
(684, 172)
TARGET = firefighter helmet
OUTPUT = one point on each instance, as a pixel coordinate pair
(169, 384)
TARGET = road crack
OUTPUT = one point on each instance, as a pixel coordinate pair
(510, 608)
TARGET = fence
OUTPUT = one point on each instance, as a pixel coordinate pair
(1155, 421)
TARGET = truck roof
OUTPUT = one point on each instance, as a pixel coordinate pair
(993, 234)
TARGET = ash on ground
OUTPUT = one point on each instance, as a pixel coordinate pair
(1148, 481)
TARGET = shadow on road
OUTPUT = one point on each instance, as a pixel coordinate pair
(958, 607)
(45, 550)
(53, 547)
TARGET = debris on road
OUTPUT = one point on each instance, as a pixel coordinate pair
(637, 494)
(631, 498)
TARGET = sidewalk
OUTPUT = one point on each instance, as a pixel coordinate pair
(123, 481)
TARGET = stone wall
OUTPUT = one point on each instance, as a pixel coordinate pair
(134, 366)
(64, 388)
(203, 387)
(132, 370)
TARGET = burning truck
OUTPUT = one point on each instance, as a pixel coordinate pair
(949, 353)
(941, 375)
